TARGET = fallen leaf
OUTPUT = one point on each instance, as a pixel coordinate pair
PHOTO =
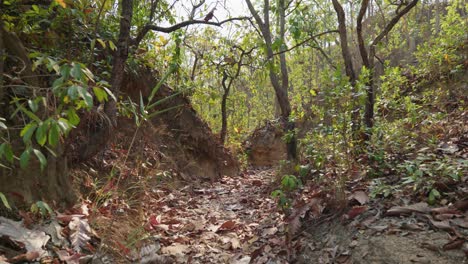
(28, 257)
(228, 225)
(33, 240)
(445, 210)
(355, 211)
(443, 225)
(257, 183)
(359, 196)
(455, 244)
(269, 231)
(461, 205)
(80, 233)
(422, 208)
(175, 249)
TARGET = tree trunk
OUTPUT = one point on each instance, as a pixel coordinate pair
(348, 61)
(120, 58)
(100, 138)
(291, 144)
(369, 110)
(226, 89)
(281, 91)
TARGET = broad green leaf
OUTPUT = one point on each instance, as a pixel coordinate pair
(42, 159)
(73, 118)
(33, 105)
(112, 46)
(6, 150)
(5, 201)
(103, 44)
(41, 133)
(76, 71)
(101, 95)
(110, 93)
(64, 125)
(87, 97)
(73, 92)
(88, 73)
(65, 70)
(28, 131)
(24, 158)
(54, 65)
(44, 208)
(54, 134)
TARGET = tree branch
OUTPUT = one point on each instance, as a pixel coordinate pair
(136, 41)
(362, 47)
(393, 22)
(305, 41)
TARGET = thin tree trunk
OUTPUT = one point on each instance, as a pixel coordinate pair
(291, 145)
(369, 110)
(120, 58)
(280, 90)
(349, 68)
(226, 89)
(100, 138)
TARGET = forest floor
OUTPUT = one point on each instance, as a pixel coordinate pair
(235, 220)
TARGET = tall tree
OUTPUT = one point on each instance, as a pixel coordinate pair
(367, 52)
(279, 81)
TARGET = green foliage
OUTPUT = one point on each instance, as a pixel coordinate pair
(42, 208)
(70, 93)
(444, 53)
(4, 201)
(289, 183)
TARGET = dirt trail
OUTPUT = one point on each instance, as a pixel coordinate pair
(235, 220)
(231, 221)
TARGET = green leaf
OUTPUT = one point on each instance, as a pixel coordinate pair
(433, 196)
(88, 73)
(54, 134)
(101, 95)
(24, 158)
(44, 208)
(28, 131)
(41, 133)
(73, 118)
(87, 97)
(103, 44)
(112, 46)
(5, 201)
(33, 105)
(7, 151)
(277, 193)
(289, 182)
(54, 65)
(76, 71)
(73, 92)
(64, 125)
(42, 159)
(110, 93)
(65, 71)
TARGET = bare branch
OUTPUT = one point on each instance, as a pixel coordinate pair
(136, 41)
(362, 47)
(194, 9)
(305, 41)
(393, 22)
